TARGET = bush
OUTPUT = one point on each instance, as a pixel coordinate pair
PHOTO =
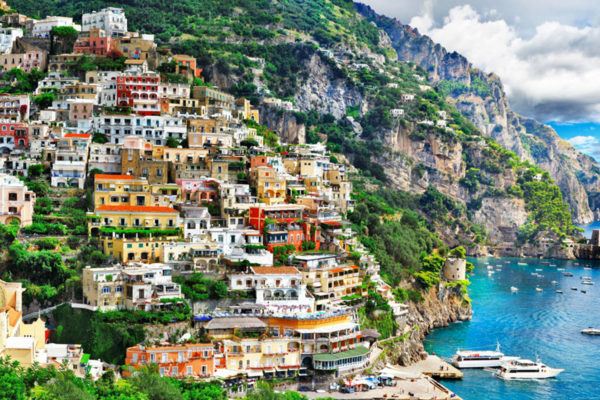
(47, 243)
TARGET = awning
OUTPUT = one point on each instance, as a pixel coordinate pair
(329, 329)
(356, 352)
(224, 373)
(85, 358)
(255, 374)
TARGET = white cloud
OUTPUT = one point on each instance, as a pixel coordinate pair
(589, 145)
(552, 75)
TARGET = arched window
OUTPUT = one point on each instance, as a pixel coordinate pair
(119, 289)
(106, 289)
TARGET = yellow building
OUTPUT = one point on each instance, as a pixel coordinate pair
(135, 250)
(270, 186)
(245, 110)
(18, 340)
(128, 218)
(263, 357)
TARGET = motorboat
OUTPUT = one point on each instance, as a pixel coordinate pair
(481, 359)
(587, 283)
(514, 289)
(567, 274)
(559, 291)
(526, 369)
(560, 269)
(554, 282)
(521, 263)
(573, 288)
(588, 268)
(583, 291)
(586, 278)
(539, 289)
(591, 331)
(538, 269)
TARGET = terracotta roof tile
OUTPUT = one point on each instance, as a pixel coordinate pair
(275, 270)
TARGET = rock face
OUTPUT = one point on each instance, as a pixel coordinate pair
(284, 123)
(576, 174)
(441, 307)
(323, 91)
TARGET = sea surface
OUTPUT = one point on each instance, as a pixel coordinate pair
(529, 324)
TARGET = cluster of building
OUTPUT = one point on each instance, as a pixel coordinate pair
(184, 183)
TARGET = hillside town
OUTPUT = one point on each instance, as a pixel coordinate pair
(194, 210)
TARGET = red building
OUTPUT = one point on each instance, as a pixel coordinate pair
(284, 213)
(14, 134)
(137, 90)
(93, 42)
(177, 361)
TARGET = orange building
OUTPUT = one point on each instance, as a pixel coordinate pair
(178, 361)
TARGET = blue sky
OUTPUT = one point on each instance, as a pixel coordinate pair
(584, 135)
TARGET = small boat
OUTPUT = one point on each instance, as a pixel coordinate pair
(514, 289)
(573, 288)
(559, 291)
(591, 331)
(538, 269)
(588, 268)
(490, 267)
(560, 269)
(538, 289)
(526, 369)
(576, 264)
(554, 282)
(585, 278)
(481, 359)
(587, 283)
(521, 263)
(583, 291)
(534, 274)
(553, 265)
(567, 274)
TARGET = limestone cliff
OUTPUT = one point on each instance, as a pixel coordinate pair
(576, 174)
(284, 123)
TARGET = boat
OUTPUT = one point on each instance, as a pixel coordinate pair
(591, 331)
(587, 283)
(534, 274)
(538, 289)
(583, 291)
(559, 291)
(490, 267)
(560, 269)
(538, 269)
(514, 289)
(553, 265)
(481, 359)
(586, 278)
(526, 369)
(554, 282)
(588, 268)
(573, 288)
(567, 274)
(521, 263)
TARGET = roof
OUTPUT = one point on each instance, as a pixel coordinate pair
(329, 328)
(138, 209)
(107, 176)
(19, 342)
(356, 352)
(275, 270)
(78, 135)
(235, 322)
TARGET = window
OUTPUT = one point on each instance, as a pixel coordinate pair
(171, 223)
(165, 357)
(119, 289)
(162, 371)
(189, 370)
(106, 289)
(12, 196)
(203, 369)
(134, 358)
(153, 357)
(156, 222)
(175, 371)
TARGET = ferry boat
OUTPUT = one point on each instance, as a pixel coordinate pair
(591, 331)
(526, 369)
(481, 359)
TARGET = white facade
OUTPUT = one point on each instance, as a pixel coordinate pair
(105, 157)
(155, 128)
(173, 90)
(56, 81)
(8, 37)
(111, 19)
(42, 28)
(67, 173)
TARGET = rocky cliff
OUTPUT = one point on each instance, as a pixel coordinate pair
(576, 174)
(284, 123)
(441, 306)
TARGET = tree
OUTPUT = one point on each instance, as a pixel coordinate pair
(44, 100)
(35, 170)
(11, 384)
(99, 137)
(249, 143)
(148, 381)
(172, 142)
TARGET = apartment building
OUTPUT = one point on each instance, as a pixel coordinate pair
(140, 92)
(106, 157)
(42, 27)
(13, 134)
(16, 201)
(94, 41)
(14, 106)
(69, 167)
(111, 20)
(139, 159)
(195, 255)
(138, 287)
(155, 129)
(270, 185)
(8, 37)
(177, 361)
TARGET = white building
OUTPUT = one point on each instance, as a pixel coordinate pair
(42, 28)
(196, 221)
(105, 157)
(8, 37)
(173, 90)
(396, 112)
(278, 288)
(152, 128)
(69, 168)
(55, 80)
(111, 19)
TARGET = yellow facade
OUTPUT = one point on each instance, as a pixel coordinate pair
(245, 355)
(134, 250)
(270, 187)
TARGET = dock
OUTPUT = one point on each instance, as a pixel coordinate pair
(434, 367)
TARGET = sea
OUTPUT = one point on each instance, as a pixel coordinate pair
(529, 324)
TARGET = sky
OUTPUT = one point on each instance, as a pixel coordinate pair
(547, 53)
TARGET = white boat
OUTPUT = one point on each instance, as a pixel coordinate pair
(514, 289)
(481, 359)
(538, 289)
(588, 268)
(586, 278)
(560, 269)
(559, 291)
(553, 265)
(538, 269)
(554, 282)
(587, 283)
(490, 267)
(526, 369)
(591, 331)
(521, 263)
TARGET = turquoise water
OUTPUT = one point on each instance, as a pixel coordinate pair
(527, 324)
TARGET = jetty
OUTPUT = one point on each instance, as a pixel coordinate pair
(434, 367)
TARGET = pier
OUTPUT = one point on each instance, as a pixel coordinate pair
(434, 367)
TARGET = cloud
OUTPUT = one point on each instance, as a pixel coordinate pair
(552, 75)
(589, 145)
